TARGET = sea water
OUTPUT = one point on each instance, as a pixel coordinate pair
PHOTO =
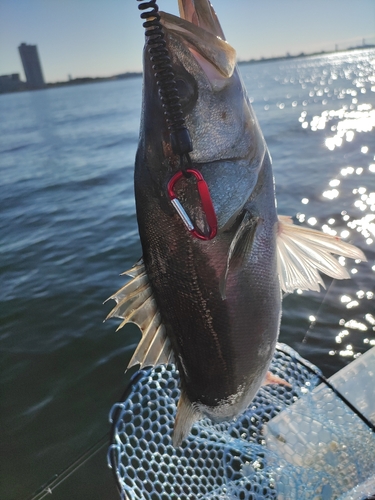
(68, 228)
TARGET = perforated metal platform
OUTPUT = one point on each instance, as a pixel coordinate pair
(292, 443)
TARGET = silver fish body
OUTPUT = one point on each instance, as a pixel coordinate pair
(223, 346)
(214, 305)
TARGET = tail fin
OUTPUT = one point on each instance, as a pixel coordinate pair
(185, 418)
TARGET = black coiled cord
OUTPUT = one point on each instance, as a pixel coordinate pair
(165, 78)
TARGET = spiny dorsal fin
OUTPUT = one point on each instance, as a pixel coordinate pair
(303, 252)
(136, 304)
(239, 248)
(186, 416)
(138, 268)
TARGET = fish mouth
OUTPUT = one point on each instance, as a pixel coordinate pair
(199, 29)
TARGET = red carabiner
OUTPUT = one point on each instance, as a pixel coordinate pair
(206, 201)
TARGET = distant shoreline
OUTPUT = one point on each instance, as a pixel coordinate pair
(123, 76)
(89, 79)
(303, 54)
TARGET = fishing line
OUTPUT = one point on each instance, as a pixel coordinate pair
(57, 479)
(48, 487)
(323, 379)
(312, 323)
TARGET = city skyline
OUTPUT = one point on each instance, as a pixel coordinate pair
(97, 39)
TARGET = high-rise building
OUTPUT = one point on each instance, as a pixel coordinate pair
(31, 65)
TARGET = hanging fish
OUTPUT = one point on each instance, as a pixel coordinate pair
(208, 297)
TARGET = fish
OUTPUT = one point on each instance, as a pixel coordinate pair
(209, 297)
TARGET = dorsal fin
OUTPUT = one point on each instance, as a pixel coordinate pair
(136, 304)
(303, 252)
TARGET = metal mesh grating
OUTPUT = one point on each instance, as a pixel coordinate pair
(291, 443)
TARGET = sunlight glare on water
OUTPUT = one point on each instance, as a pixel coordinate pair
(333, 101)
(343, 123)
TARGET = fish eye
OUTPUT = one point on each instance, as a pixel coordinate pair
(187, 93)
(183, 89)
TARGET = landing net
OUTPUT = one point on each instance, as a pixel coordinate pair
(292, 443)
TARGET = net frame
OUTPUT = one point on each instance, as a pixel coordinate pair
(244, 458)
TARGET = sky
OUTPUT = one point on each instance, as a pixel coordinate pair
(105, 37)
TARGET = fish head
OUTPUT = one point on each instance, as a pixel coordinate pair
(228, 145)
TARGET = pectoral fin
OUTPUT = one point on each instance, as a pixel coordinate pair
(274, 379)
(302, 253)
(239, 248)
(136, 304)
